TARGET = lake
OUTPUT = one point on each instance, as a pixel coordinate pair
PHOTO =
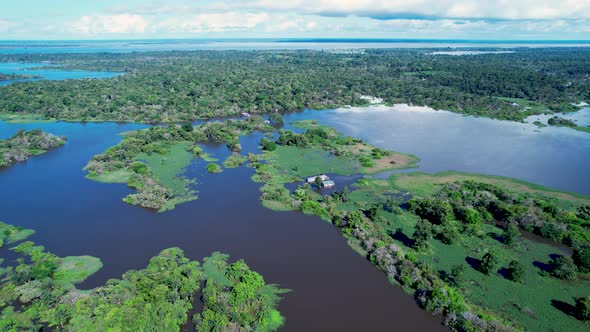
(556, 157)
(334, 288)
(47, 72)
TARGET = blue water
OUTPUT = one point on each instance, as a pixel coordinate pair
(556, 157)
(51, 73)
(114, 46)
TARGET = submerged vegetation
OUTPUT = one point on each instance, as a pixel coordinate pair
(184, 86)
(24, 144)
(39, 291)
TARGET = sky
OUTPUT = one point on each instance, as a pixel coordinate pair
(419, 19)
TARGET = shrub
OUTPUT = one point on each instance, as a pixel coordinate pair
(515, 271)
(422, 234)
(563, 267)
(489, 263)
(511, 234)
(581, 258)
(583, 308)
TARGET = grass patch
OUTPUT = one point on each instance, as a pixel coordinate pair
(234, 161)
(117, 176)
(167, 168)
(423, 184)
(76, 269)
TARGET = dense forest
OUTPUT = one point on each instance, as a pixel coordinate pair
(24, 144)
(38, 290)
(184, 86)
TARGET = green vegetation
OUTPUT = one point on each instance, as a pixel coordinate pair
(11, 234)
(152, 160)
(214, 168)
(9, 77)
(562, 122)
(184, 86)
(234, 160)
(24, 144)
(40, 292)
(237, 299)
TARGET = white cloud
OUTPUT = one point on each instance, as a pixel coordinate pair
(110, 24)
(212, 22)
(5, 25)
(468, 9)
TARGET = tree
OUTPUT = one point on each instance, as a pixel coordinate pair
(515, 271)
(489, 263)
(511, 234)
(187, 127)
(422, 234)
(581, 258)
(448, 232)
(583, 308)
(276, 119)
(563, 267)
(318, 181)
(457, 277)
(268, 145)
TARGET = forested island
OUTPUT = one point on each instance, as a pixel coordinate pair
(152, 160)
(10, 77)
(184, 86)
(24, 144)
(562, 122)
(39, 291)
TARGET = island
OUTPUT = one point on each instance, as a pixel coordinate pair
(24, 144)
(11, 77)
(39, 291)
(152, 160)
(562, 122)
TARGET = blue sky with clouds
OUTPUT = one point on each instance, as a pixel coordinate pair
(432, 19)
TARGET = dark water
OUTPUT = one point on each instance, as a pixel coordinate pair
(52, 73)
(556, 157)
(334, 289)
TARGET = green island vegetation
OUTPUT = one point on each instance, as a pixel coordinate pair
(486, 253)
(39, 291)
(237, 299)
(9, 77)
(152, 160)
(176, 87)
(319, 149)
(24, 144)
(562, 122)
